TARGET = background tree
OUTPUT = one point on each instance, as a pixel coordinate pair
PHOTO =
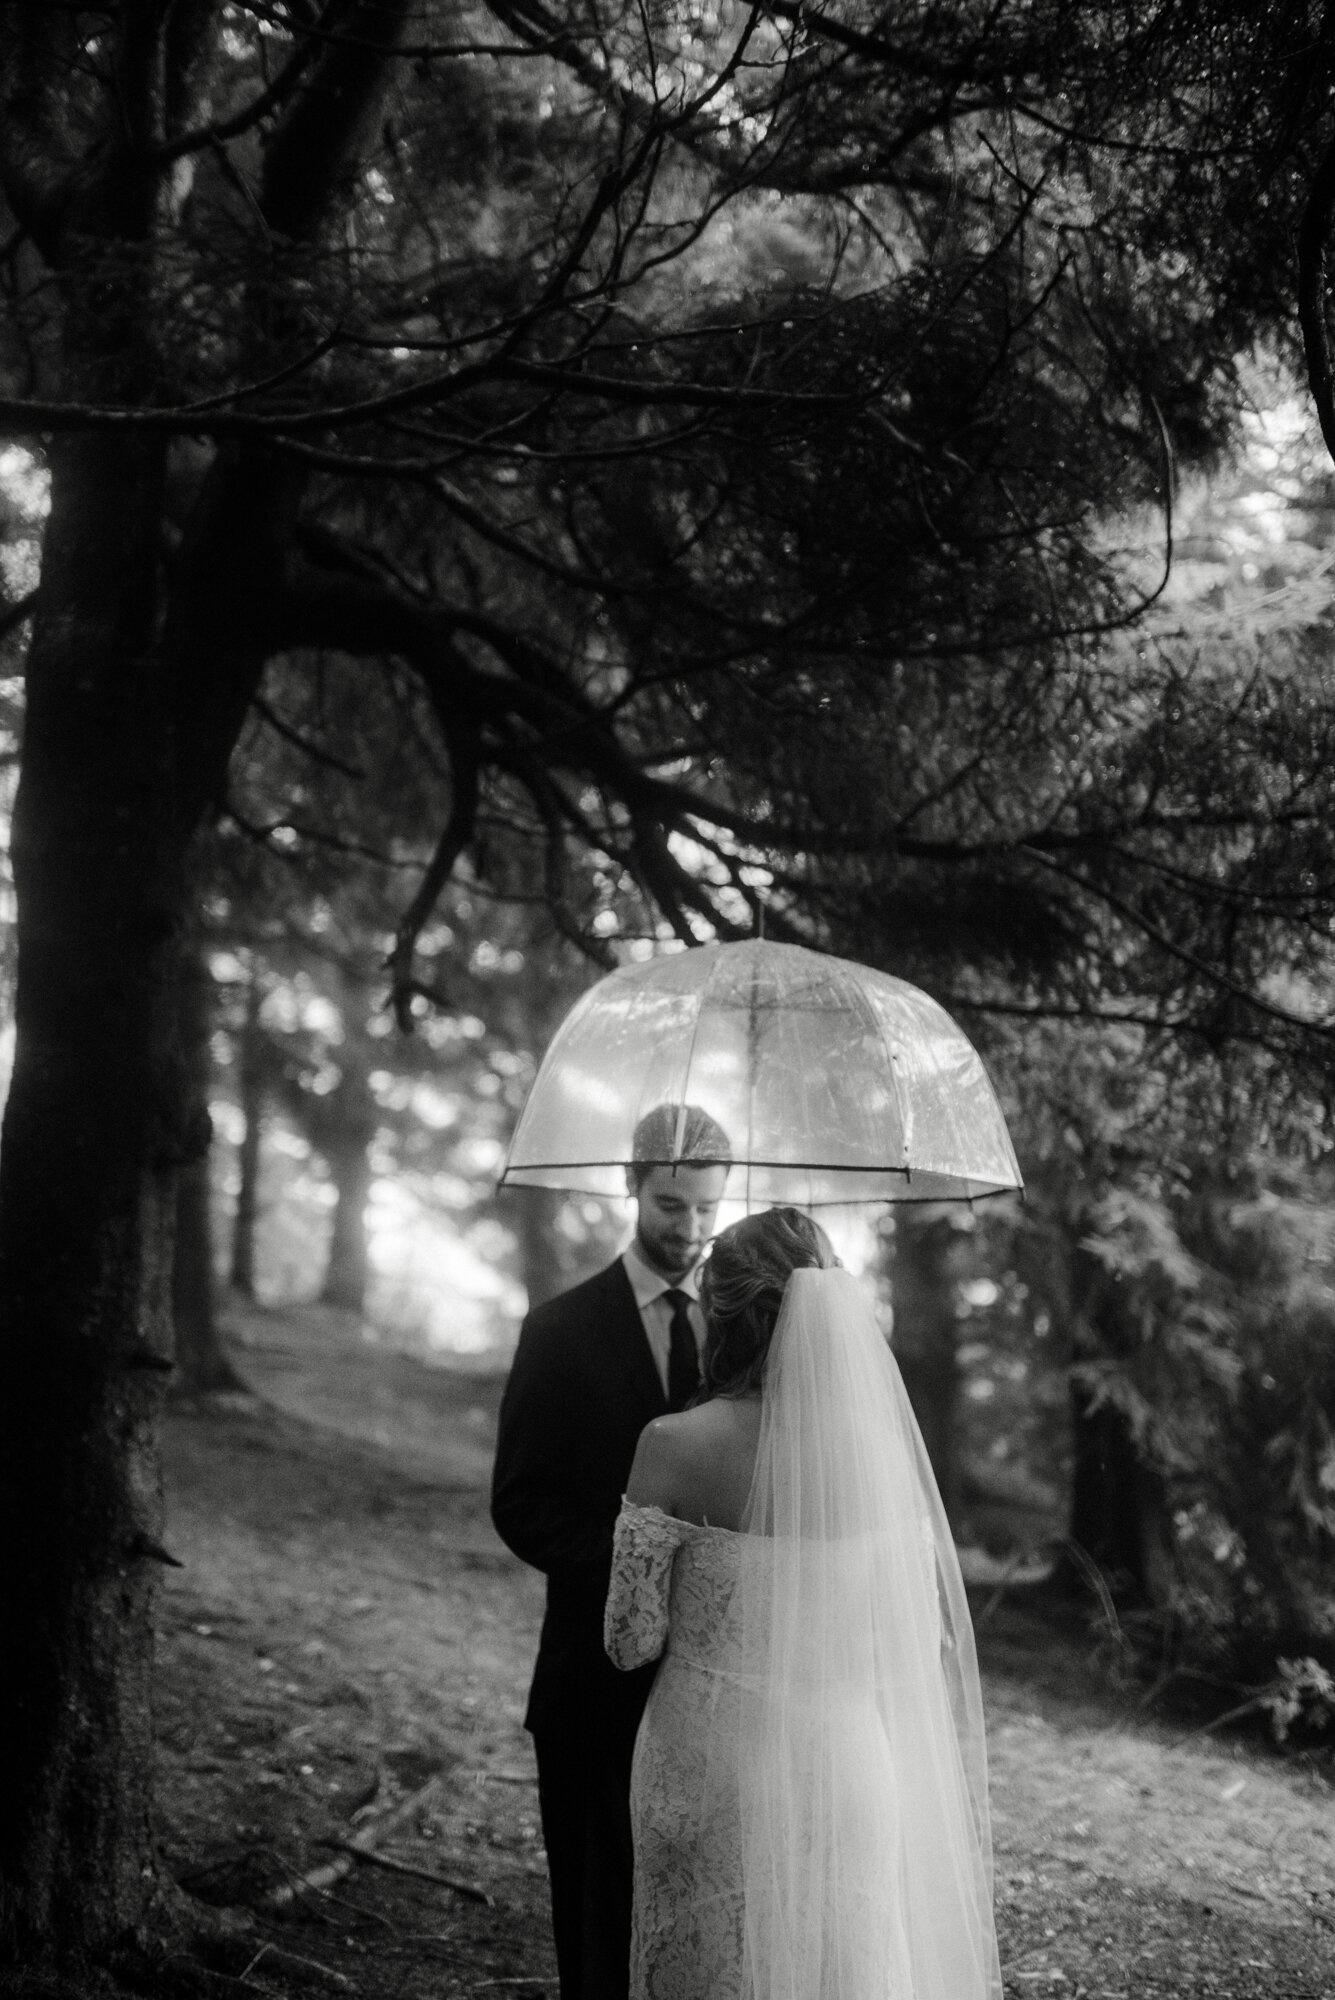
(200, 1361)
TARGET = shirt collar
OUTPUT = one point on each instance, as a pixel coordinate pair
(648, 1284)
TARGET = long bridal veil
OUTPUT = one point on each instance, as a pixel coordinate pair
(866, 1855)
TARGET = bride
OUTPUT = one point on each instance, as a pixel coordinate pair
(809, 1797)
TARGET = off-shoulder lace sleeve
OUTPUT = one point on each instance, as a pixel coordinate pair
(635, 1622)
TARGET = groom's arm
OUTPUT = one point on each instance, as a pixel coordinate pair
(539, 1501)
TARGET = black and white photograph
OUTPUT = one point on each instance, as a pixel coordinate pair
(667, 1000)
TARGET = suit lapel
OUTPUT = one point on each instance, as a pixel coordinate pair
(628, 1347)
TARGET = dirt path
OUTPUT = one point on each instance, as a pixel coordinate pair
(348, 1635)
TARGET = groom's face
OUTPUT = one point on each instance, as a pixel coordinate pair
(677, 1206)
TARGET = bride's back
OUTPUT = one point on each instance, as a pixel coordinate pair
(698, 1465)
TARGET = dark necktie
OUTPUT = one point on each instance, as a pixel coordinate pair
(683, 1358)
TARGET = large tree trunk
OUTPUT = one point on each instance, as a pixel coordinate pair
(119, 762)
(137, 687)
(91, 1140)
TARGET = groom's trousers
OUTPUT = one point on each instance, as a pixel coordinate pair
(584, 1797)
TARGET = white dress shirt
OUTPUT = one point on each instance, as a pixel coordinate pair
(651, 1289)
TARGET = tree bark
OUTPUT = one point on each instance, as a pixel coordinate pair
(92, 1137)
(138, 680)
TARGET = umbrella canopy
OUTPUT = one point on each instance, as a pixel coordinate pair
(834, 1083)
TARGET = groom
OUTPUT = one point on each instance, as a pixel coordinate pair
(592, 1368)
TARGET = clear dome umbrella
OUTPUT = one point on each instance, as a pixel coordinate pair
(834, 1083)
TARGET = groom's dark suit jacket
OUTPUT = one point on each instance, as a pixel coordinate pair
(582, 1388)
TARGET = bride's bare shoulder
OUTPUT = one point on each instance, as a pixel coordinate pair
(706, 1427)
(680, 1458)
(667, 1441)
(654, 1470)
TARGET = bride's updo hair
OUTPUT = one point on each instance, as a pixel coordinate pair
(741, 1289)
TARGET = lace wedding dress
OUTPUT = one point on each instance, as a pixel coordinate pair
(687, 1938)
(808, 1797)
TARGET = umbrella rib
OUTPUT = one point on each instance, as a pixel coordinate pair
(690, 1058)
(961, 1188)
(905, 1107)
(770, 1166)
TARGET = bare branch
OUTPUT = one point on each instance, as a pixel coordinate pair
(315, 751)
(24, 417)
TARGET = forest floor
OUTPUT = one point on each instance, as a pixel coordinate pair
(344, 1657)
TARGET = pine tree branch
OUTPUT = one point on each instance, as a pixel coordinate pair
(1214, 975)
